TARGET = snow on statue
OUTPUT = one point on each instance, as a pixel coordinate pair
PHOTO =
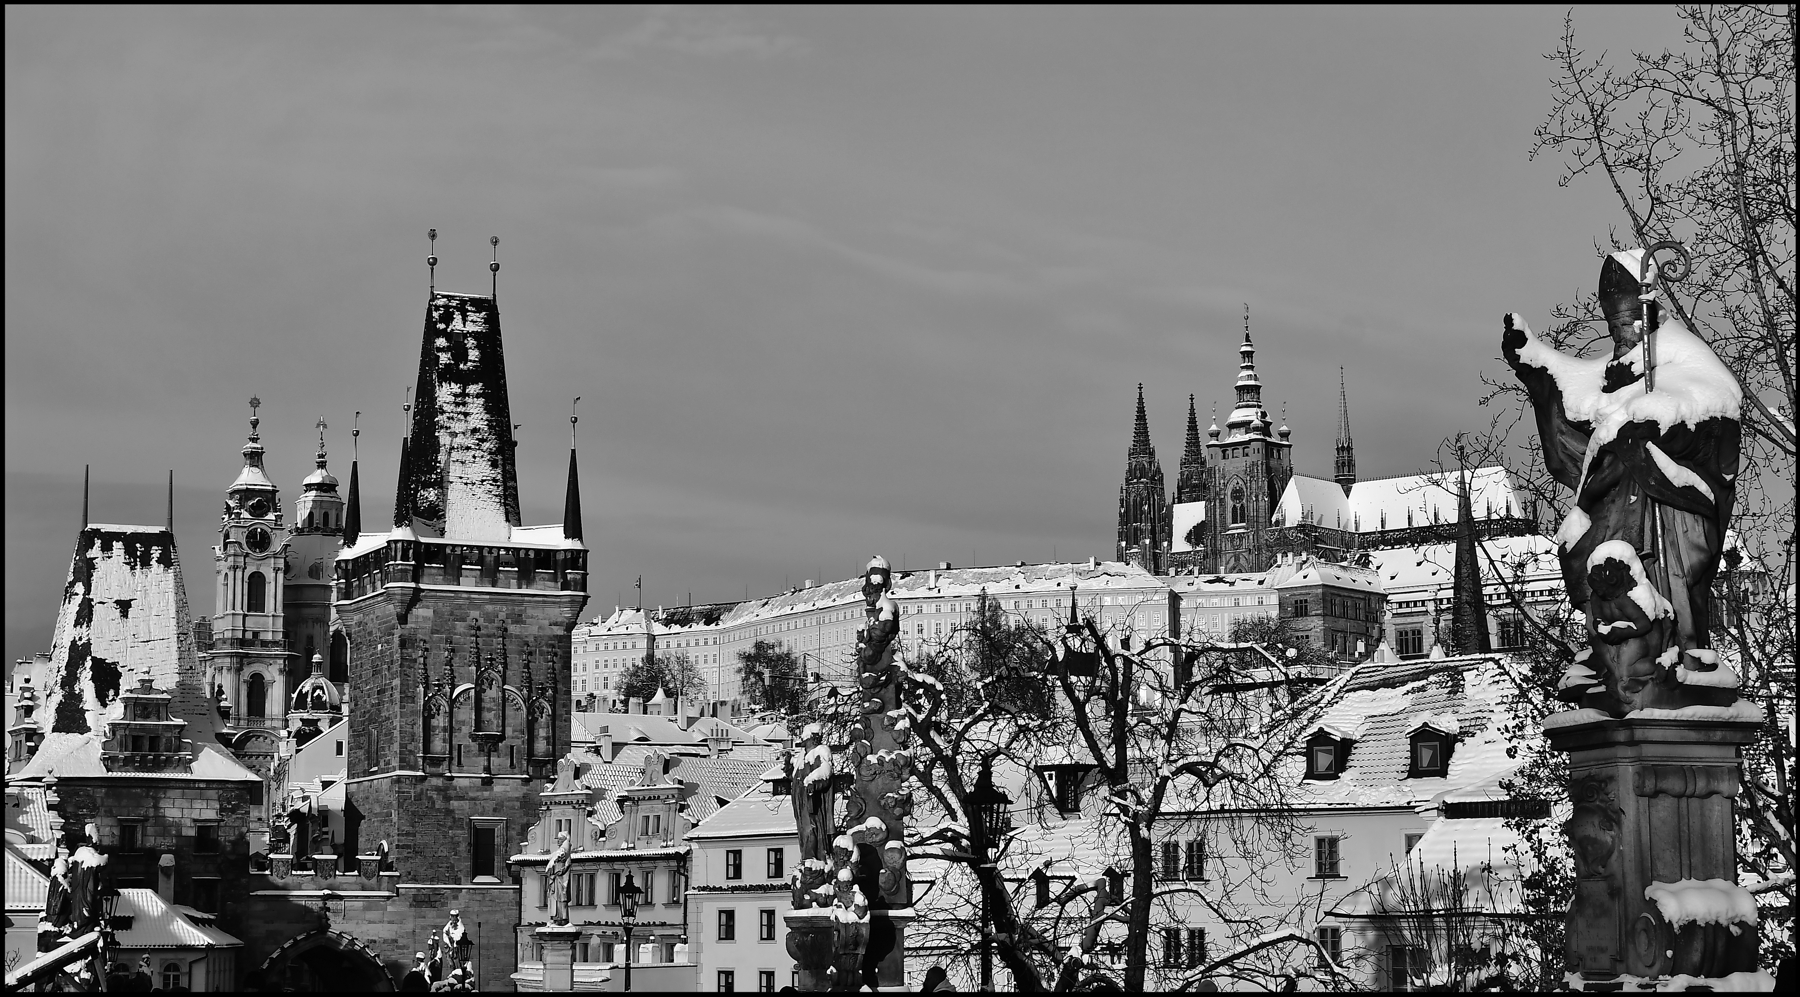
(1648, 438)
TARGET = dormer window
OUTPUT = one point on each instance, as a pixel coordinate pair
(1327, 755)
(1430, 753)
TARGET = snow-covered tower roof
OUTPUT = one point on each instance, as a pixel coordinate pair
(124, 618)
(459, 475)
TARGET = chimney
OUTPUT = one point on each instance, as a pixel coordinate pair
(809, 584)
(605, 741)
(165, 878)
(1091, 564)
(681, 712)
(943, 565)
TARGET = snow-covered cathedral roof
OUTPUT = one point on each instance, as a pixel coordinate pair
(1395, 503)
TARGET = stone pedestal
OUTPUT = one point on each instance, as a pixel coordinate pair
(812, 944)
(558, 942)
(1652, 804)
(887, 945)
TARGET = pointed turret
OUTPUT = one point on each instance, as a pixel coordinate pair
(1468, 608)
(572, 498)
(1190, 483)
(403, 508)
(1345, 469)
(1140, 431)
(572, 502)
(353, 509)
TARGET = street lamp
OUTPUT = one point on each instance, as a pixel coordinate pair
(994, 806)
(628, 901)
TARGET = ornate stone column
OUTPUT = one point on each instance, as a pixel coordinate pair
(1653, 837)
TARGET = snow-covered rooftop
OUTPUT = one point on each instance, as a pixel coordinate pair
(1387, 503)
(124, 617)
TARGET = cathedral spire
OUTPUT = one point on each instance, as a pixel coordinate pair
(353, 504)
(1190, 482)
(1140, 430)
(1143, 504)
(1247, 417)
(1345, 469)
(572, 499)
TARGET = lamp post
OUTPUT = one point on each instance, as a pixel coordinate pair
(994, 806)
(628, 901)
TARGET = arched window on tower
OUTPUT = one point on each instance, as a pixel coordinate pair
(1237, 505)
(256, 696)
(256, 593)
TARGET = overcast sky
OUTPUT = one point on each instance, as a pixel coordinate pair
(830, 282)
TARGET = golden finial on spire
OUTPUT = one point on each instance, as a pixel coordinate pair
(494, 267)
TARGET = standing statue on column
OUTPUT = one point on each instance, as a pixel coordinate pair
(812, 778)
(1648, 438)
(557, 875)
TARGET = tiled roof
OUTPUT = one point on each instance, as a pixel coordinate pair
(706, 778)
(27, 886)
(756, 815)
(1381, 705)
(156, 924)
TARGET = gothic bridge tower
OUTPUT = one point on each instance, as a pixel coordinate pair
(458, 624)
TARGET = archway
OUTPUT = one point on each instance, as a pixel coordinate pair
(325, 962)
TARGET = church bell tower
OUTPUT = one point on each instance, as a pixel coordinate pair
(248, 663)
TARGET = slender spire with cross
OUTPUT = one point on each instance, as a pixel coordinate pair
(431, 261)
(1345, 471)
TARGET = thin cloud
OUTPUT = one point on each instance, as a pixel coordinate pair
(696, 31)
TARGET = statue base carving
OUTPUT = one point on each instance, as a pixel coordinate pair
(1652, 805)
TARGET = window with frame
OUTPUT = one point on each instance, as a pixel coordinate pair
(727, 981)
(1512, 632)
(1430, 754)
(1171, 859)
(1412, 839)
(1171, 948)
(734, 863)
(1326, 756)
(1406, 965)
(1196, 947)
(1195, 865)
(173, 976)
(206, 839)
(613, 882)
(485, 836)
(543, 892)
(1326, 851)
(776, 868)
(1302, 607)
(765, 925)
(1409, 641)
(727, 925)
(1331, 942)
(130, 835)
(649, 894)
(765, 981)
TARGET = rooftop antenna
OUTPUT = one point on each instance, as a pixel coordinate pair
(85, 468)
(494, 267)
(431, 261)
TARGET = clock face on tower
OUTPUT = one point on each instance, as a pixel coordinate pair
(258, 539)
(258, 508)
